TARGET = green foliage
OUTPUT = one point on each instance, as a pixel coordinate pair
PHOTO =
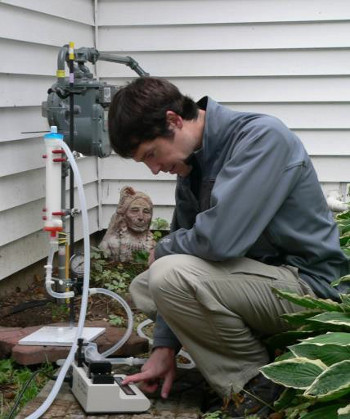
(297, 373)
(159, 227)
(159, 224)
(317, 368)
(115, 320)
(218, 414)
(343, 222)
(16, 377)
(59, 311)
(319, 385)
(107, 274)
(141, 257)
(332, 383)
(157, 235)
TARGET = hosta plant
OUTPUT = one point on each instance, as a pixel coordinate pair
(315, 370)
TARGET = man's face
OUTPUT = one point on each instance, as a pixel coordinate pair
(165, 155)
(138, 215)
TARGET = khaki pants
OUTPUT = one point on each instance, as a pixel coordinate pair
(219, 311)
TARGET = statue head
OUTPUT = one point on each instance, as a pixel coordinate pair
(136, 209)
(128, 230)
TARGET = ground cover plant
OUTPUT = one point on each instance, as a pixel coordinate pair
(315, 369)
(20, 384)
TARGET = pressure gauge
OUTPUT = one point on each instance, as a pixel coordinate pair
(77, 265)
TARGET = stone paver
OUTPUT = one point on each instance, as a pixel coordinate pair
(35, 354)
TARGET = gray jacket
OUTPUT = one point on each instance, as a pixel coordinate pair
(258, 196)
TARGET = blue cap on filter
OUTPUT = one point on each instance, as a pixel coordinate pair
(53, 134)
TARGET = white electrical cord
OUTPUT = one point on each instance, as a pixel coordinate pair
(55, 389)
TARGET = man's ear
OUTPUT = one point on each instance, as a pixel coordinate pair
(174, 120)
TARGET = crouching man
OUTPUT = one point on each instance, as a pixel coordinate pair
(250, 215)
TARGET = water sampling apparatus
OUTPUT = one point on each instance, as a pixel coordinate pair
(76, 110)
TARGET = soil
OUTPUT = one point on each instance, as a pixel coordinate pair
(33, 307)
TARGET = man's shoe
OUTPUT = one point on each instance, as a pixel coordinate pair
(256, 398)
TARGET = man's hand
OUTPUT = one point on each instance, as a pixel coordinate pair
(160, 365)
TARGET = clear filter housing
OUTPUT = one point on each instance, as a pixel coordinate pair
(54, 157)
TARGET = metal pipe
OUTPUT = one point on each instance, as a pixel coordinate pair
(71, 173)
(129, 61)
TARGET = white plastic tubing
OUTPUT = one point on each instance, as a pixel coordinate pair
(122, 302)
(48, 278)
(55, 389)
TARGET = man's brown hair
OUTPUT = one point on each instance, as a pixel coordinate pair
(138, 113)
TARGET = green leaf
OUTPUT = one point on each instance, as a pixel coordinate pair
(298, 373)
(308, 301)
(298, 319)
(333, 318)
(345, 278)
(345, 299)
(286, 399)
(328, 354)
(286, 355)
(327, 412)
(343, 215)
(331, 384)
(282, 340)
(298, 411)
(337, 338)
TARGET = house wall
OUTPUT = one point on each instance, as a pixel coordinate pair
(290, 59)
(287, 58)
(31, 33)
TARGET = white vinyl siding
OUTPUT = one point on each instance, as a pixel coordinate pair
(31, 33)
(287, 58)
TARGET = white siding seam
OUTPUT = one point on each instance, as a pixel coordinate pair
(247, 23)
(37, 12)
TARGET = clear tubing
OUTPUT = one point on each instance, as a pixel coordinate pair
(48, 278)
(92, 355)
(123, 303)
(55, 389)
(53, 202)
(128, 361)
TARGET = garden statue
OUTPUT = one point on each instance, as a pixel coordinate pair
(129, 229)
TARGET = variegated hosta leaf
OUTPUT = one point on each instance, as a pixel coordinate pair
(344, 412)
(345, 299)
(326, 412)
(333, 318)
(331, 384)
(298, 373)
(345, 278)
(298, 319)
(308, 301)
(343, 215)
(328, 354)
(284, 356)
(336, 338)
(281, 340)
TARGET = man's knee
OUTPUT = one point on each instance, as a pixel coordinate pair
(164, 275)
(141, 296)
